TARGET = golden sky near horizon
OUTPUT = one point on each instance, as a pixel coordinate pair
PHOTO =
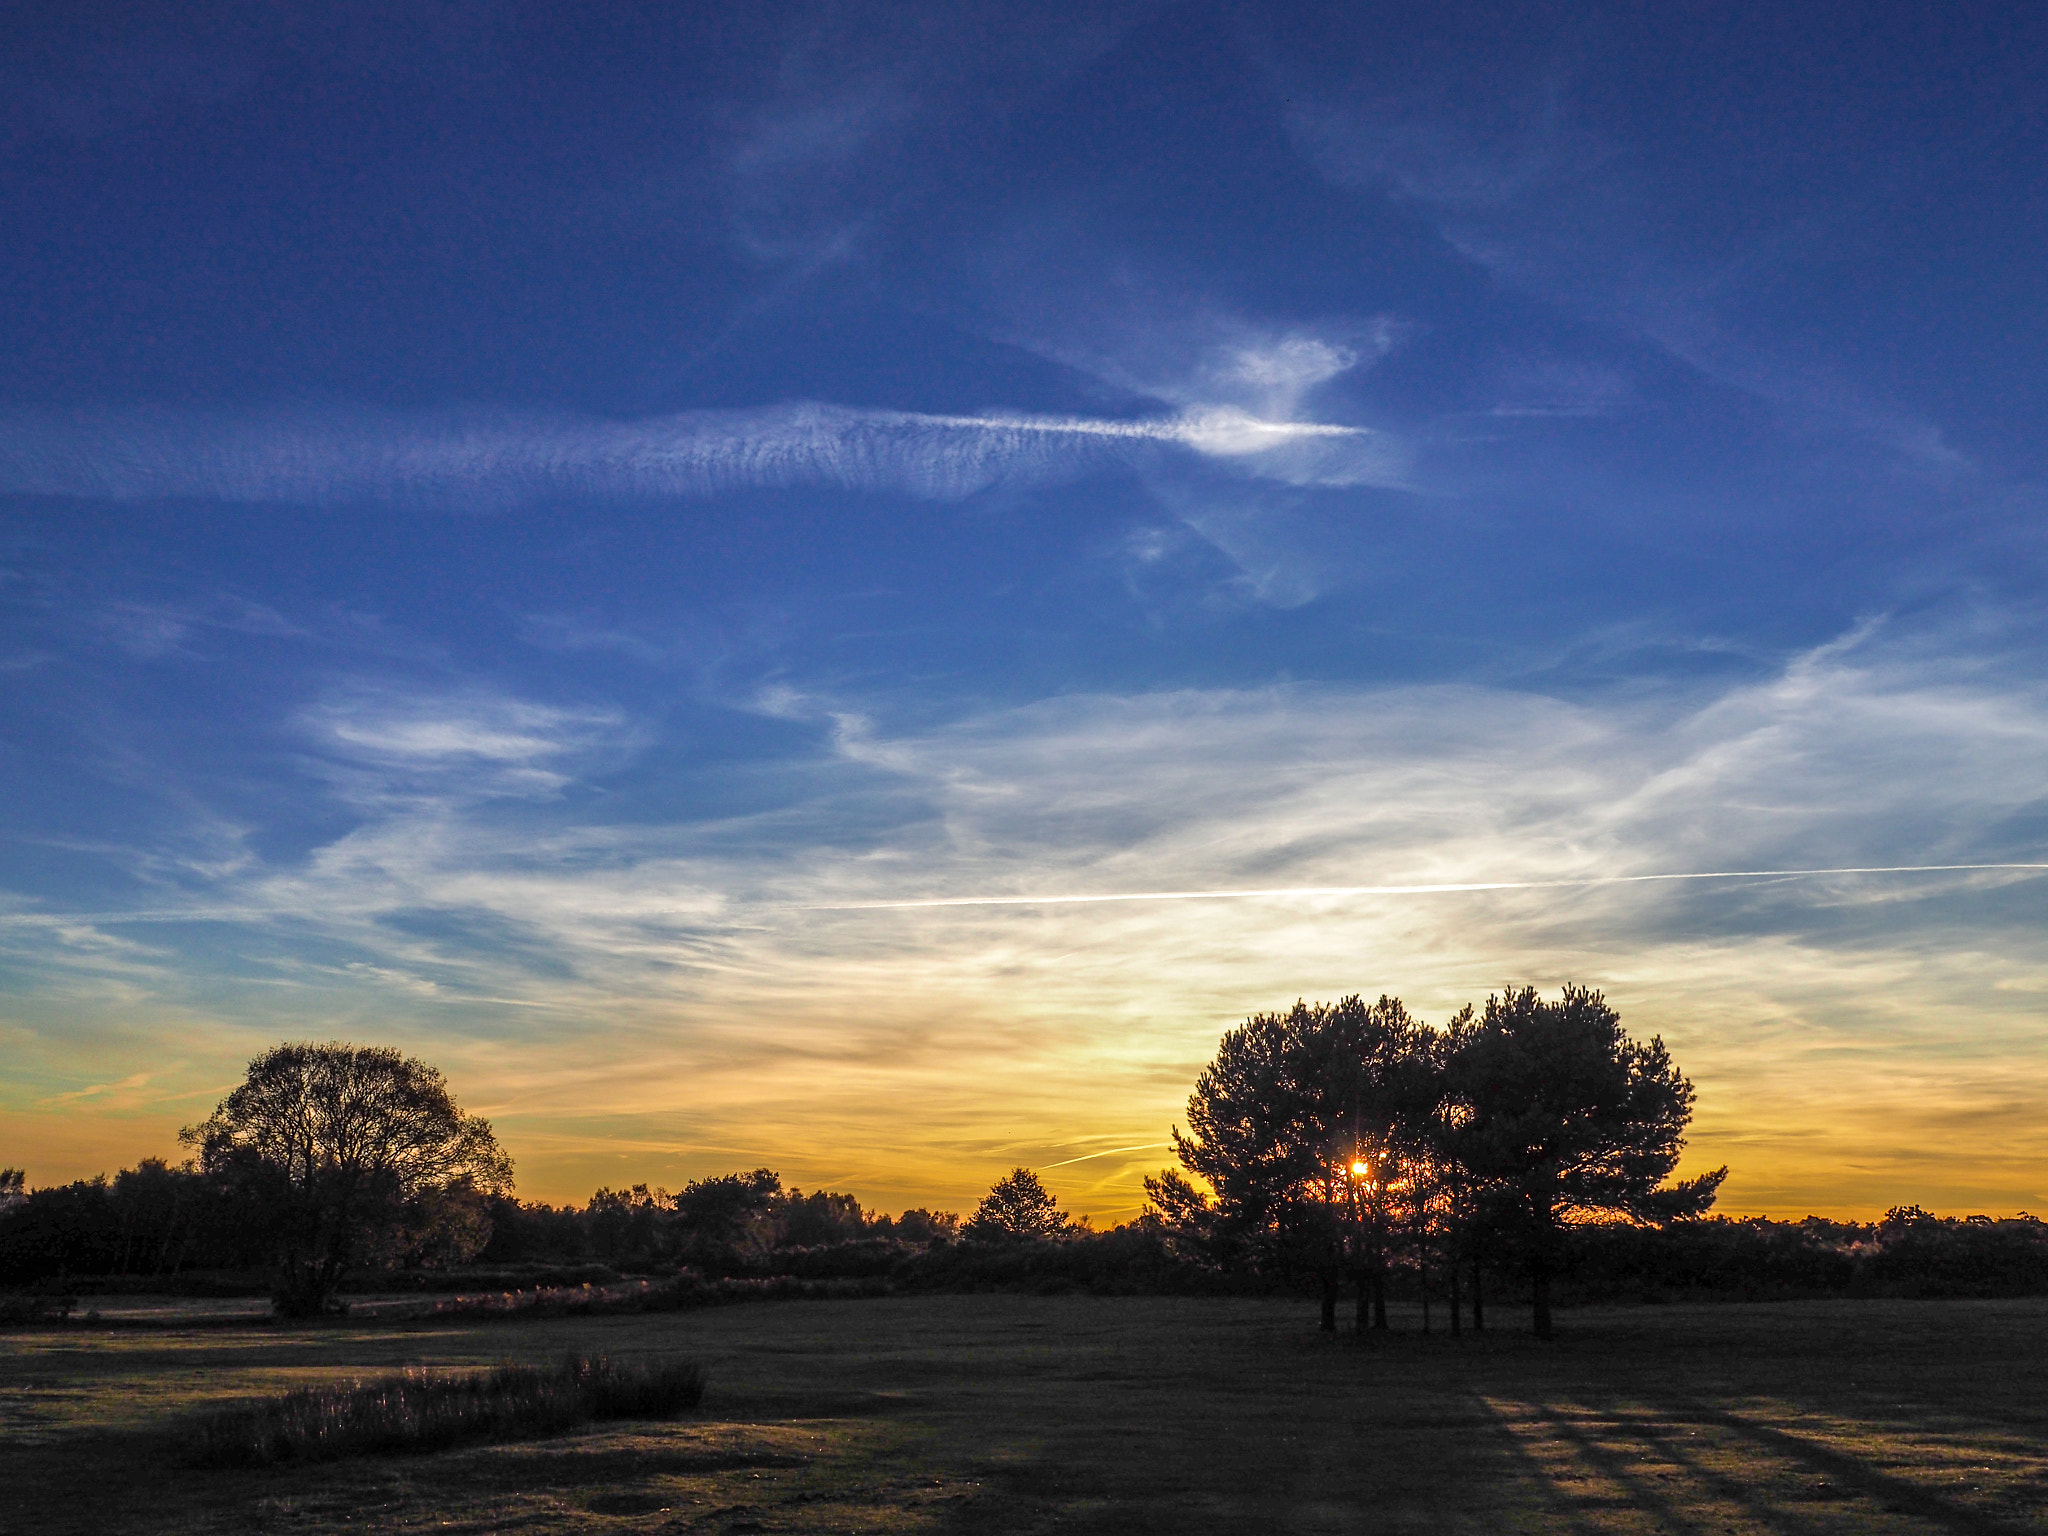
(1857, 1041)
(845, 587)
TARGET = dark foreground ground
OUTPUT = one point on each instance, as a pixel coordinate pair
(985, 1414)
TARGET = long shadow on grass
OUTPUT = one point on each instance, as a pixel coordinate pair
(1614, 1466)
(1536, 1473)
(1895, 1493)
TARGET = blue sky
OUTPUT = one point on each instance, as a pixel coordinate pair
(527, 533)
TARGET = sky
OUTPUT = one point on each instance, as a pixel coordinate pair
(593, 543)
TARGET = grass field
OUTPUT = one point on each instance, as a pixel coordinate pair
(986, 1414)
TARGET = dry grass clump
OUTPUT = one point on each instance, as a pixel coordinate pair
(428, 1410)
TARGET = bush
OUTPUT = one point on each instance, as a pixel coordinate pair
(427, 1411)
(683, 1293)
(1136, 1260)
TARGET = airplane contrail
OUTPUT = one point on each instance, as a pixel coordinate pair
(1438, 889)
(1089, 1157)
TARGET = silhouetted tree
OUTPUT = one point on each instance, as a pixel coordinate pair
(61, 1229)
(1253, 1139)
(360, 1155)
(154, 1204)
(522, 1233)
(725, 1218)
(1016, 1206)
(1308, 1129)
(1378, 1077)
(813, 1220)
(630, 1225)
(918, 1225)
(1556, 1114)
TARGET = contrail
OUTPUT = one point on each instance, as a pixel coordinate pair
(324, 458)
(1199, 428)
(1447, 888)
(1087, 1157)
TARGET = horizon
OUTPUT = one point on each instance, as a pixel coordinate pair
(845, 588)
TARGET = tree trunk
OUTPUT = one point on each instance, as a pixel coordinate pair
(1539, 1289)
(1329, 1302)
(1379, 1301)
(1364, 1300)
(1478, 1299)
(1457, 1325)
(1422, 1277)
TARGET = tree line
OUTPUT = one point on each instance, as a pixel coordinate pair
(1331, 1144)
(162, 1221)
(330, 1159)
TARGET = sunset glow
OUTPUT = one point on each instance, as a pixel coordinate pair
(845, 589)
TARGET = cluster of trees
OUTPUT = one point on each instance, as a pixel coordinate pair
(329, 1159)
(1351, 1140)
(1339, 1142)
(1909, 1252)
(162, 1221)
(174, 1227)
(152, 1219)
(732, 1223)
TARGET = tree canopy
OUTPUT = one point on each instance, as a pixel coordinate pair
(1339, 1137)
(1564, 1117)
(1309, 1129)
(1016, 1206)
(356, 1154)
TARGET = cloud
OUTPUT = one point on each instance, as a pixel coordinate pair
(154, 629)
(692, 976)
(382, 741)
(472, 461)
(1151, 333)
(125, 1091)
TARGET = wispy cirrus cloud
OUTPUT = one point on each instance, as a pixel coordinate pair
(479, 460)
(443, 902)
(473, 745)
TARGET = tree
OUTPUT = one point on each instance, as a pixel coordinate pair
(358, 1155)
(1304, 1129)
(918, 1225)
(1016, 1206)
(1557, 1116)
(13, 1188)
(1250, 1139)
(629, 1225)
(1377, 1080)
(819, 1218)
(728, 1217)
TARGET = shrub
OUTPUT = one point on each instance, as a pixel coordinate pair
(426, 1411)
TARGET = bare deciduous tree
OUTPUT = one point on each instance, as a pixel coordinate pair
(359, 1154)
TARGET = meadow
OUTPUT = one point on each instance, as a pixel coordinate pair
(1001, 1413)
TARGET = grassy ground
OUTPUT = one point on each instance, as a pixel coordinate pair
(1001, 1414)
